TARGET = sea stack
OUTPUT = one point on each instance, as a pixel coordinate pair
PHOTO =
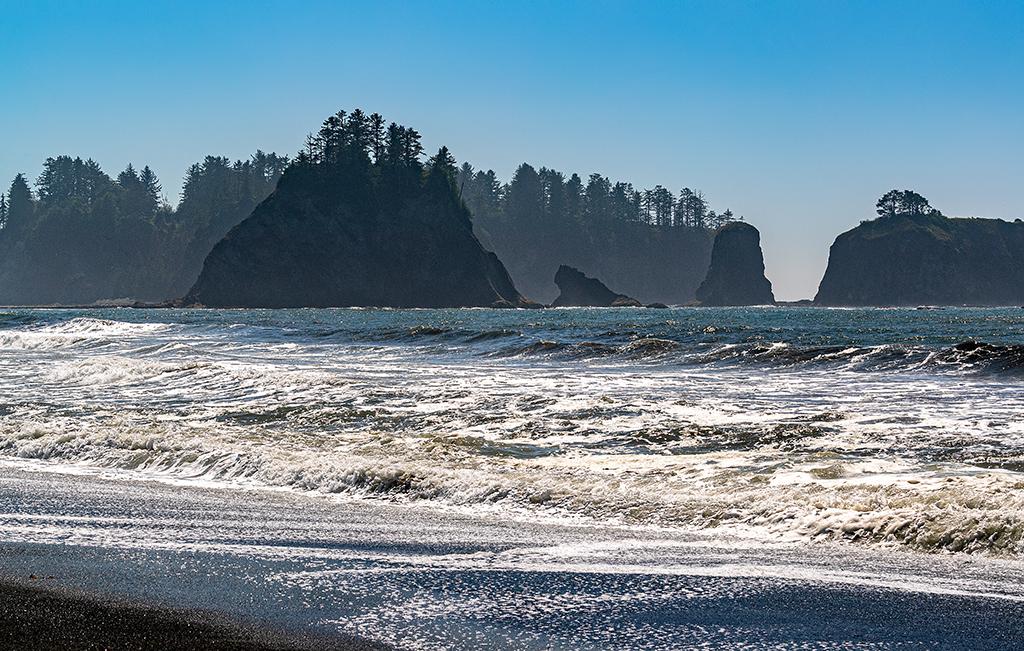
(578, 290)
(736, 275)
(926, 259)
(342, 231)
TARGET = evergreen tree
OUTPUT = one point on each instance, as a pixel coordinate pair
(574, 197)
(20, 205)
(128, 179)
(889, 204)
(524, 200)
(663, 203)
(151, 188)
(359, 132)
(443, 163)
(597, 197)
(378, 131)
(903, 202)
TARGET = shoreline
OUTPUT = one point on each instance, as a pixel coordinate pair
(281, 570)
(39, 614)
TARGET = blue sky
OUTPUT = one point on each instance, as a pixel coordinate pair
(794, 114)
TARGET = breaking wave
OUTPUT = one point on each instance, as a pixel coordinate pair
(929, 512)
(879, 427)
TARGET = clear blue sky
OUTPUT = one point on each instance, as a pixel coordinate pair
(794, 114)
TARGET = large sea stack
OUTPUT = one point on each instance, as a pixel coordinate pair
(736, 275)
(578, 290)
(926, 259)
(342, 229)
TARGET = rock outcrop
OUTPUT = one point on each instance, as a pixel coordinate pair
(646, 262)
(579, 290)
(355, 234)
(910, 260)
(736, 275)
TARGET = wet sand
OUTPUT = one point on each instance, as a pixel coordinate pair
(37, 614)
(230, 566)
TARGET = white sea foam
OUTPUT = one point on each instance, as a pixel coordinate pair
(820, 453)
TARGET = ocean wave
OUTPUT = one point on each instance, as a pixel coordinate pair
(895, 505)
(108, 370)
(966, 357)
(75, 332)
(666, 421)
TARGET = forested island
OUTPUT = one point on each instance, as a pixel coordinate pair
(358, 219)
(912, 254)
(82, 236)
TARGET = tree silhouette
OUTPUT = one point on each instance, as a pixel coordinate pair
(903, 203)
(20, 205)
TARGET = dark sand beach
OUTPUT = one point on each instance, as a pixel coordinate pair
(219, 568)
(38, 614)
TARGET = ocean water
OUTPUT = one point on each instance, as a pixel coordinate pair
(898, 428)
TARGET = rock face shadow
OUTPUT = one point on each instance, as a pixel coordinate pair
(736, 275)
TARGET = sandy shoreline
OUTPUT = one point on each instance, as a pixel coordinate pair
(37, 614)
(412, 577)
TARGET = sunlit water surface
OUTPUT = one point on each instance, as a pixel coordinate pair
(557, 479)
(879, 427)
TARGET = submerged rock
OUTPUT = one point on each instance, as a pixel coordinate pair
(736, 275)
(579, 290)
(911, 260)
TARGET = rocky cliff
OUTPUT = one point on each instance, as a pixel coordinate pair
(926, 260)
(578, 290)
(352, 233)
(736, 275)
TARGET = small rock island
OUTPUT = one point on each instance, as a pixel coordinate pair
(914, 255)
(736, 275)
(358, 220)
(579, 290)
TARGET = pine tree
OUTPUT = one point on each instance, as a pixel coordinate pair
(443, 162)
(128, 179)
(378, 131)
(151, 188)
(20, 205)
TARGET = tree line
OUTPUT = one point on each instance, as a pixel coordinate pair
(535, 196)
(80, 235)
(651, 242)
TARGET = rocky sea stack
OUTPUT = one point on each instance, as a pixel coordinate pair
(579, 290)
(926, 259)
(358, 220)
(736, 275)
